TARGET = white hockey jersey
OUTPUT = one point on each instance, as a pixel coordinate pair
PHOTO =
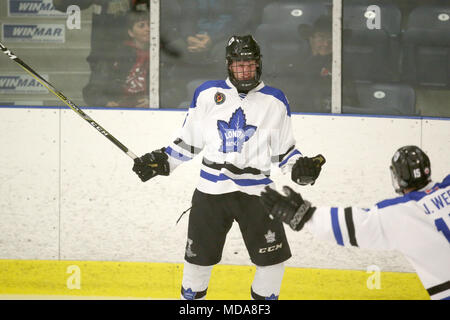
(241, 136)
(416, 224)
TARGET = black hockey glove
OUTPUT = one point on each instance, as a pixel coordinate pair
(291, 209)
(306, 170)
(151, 165)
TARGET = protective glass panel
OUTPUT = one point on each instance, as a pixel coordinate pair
(94, 52)
(396, 57)
(294, 37)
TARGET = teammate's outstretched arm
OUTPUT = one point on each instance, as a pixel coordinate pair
(350, 226)
(405, 223)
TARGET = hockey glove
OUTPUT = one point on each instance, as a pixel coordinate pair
(151, 165)
(291, 209)
(306, 170)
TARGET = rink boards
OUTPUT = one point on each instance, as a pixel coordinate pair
(68, 194)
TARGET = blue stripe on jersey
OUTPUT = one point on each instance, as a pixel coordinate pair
(445, 183)
(282, 163)
(177, 155)
(412, 196)
(206, 85)
(402, 199)
(277, 93)
(336, 227)
(239, 182)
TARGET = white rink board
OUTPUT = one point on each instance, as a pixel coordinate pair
(29, 179)
(107, 214)
(437, 145)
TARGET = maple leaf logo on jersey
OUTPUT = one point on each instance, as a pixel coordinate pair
(235, 132)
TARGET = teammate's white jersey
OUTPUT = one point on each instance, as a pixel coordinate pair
(241, 136)
(416, 225)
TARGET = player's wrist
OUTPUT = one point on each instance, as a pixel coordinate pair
(301, 216)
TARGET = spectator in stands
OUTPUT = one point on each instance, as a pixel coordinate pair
(107, 36)
(316, 69)
(210, 23)
(204, 25)
(122, 77)
(108, 17)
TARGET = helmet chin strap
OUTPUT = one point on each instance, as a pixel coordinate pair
(243, 86)
(245, 89)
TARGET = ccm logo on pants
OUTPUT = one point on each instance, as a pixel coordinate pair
(271, 249)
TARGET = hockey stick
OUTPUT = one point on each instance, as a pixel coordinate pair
(69, 103)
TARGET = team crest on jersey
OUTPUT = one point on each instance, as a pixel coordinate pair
(219, 98)
(235, 132)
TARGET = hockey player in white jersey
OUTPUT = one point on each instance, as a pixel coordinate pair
(416, 223)
(243, 127)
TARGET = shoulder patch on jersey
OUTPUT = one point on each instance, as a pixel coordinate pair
(205, 86)
(277, 93)
(219, 98)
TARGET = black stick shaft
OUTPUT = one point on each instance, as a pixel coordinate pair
(69, 103)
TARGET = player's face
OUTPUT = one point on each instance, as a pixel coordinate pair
(321, 43)
(244, 70)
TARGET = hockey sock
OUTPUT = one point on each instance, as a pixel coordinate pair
(195, 281)
(267, 282)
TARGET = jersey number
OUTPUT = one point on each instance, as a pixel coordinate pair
(442, 226)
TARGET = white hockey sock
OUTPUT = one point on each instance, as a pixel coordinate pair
(195, 281)
(267, 282)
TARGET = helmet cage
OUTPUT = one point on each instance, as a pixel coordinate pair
(243, 48)
(396, 181)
